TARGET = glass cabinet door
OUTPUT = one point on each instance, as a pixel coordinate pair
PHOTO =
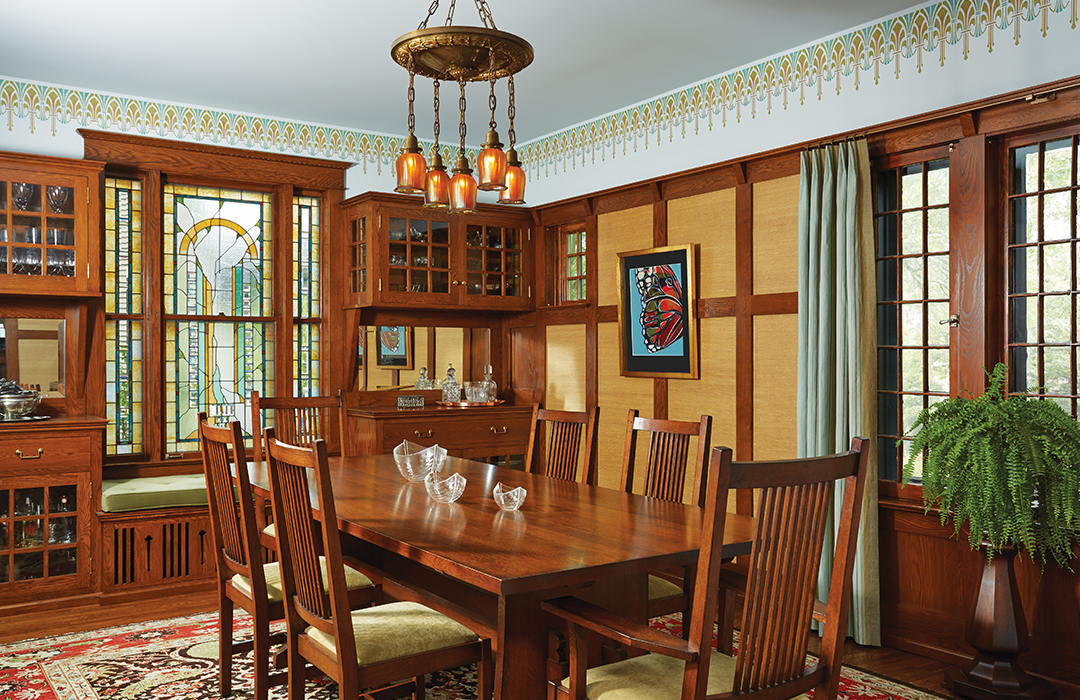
(493, 261)
(42, 523)
(417, 257)
(37, 229)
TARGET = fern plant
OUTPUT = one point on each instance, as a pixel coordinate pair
(1006, 466)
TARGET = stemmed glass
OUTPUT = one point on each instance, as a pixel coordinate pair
(21, 192)
(57, 197)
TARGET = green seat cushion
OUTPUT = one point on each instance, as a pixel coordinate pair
(396, 630)
(654, 677)
(148, 492)
(662, 588)
(274, 587)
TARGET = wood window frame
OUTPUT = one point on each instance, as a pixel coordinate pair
(562, 257)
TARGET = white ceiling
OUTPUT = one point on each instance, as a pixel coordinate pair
(328, 61)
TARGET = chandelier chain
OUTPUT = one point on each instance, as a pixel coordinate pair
(485, 14)
(450, 15)
(436, 116)
(486, 18)
(412, 97)
(491, 95)
(461, 128)
(510, 112)
(430, 12)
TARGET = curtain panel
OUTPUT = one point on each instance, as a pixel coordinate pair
(837, 372)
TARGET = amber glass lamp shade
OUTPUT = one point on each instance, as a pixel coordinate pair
(515, 182)
(411, 168)
(491, 165)
(462, 193)
(437, 189)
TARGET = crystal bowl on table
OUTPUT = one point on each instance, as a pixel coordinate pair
(508, 498)
(416, 461)
(16, 402)
(445, 490)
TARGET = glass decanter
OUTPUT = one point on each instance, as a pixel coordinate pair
(451, 388)
(492, 390)
(424, 382)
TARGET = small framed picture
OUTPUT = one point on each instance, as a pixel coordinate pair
(393, 347)
(657, 323)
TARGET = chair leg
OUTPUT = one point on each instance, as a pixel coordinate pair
(297, 670)
(419, 687)
(485, 672)
(225, 650)
(725, 627)
(260, 658)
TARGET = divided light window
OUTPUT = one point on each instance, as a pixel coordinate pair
(572, 247)
(1044, 264)
(912, 230)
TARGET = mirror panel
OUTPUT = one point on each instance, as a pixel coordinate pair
(32, 353)
(448, 346)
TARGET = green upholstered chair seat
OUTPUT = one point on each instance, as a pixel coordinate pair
(662, 588)
(396, 630)
(149, 492)
(654, 677)
(274, 591)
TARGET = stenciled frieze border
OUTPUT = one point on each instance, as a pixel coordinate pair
(817, 70)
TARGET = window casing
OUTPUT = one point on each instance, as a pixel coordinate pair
(572, 268)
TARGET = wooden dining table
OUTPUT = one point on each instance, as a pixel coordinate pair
(491, 569)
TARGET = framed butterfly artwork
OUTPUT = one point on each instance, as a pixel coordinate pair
(393, 347)
(657, 323)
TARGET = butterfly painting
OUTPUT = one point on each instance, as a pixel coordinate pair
(393, 347)
(661, 295)
(657, 324)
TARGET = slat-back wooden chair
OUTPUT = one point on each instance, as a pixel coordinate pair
(297, 420)
(368, 648)
(788, 542)
(666, 471)
(556, 443)
(241, 576)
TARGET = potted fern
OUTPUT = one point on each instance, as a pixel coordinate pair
(1007, 468)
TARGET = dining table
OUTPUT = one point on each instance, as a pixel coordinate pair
(491, 569)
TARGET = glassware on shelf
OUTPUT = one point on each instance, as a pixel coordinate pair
(490, 388)
(57, 197)
(424, 382)
(475, 392)
(21, 194)
(451, 388)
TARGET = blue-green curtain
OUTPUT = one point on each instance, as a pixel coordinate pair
(837, 374)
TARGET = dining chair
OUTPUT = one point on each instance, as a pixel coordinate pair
(786, 550)
(666, 473)
(556, 443)
(243, 579)
(373, 647)
(297, 421)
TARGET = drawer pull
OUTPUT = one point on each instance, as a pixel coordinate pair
(430, 433)
(497, 431)
(40, 450)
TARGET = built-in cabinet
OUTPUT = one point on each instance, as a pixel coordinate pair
(403, 255)
(49, 237)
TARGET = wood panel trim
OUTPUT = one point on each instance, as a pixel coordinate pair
(744, 322)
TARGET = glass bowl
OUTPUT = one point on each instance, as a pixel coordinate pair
(508, 498)
(416, 461)
(14, 406)
(445, 490)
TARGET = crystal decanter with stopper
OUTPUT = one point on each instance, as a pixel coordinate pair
(451, 388)
(423, 382)
(490, 388)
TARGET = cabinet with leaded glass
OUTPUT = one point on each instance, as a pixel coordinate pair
(49, 210)
(402, 255)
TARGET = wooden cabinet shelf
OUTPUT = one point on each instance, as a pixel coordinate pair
(404, 256)
(49, 238)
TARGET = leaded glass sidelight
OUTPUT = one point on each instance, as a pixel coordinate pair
(123, 308)
(306, 290)
(1044, 264)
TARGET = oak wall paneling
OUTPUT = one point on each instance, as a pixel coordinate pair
(775, 379)
(617, 395)
(565, 367)
(709, 221)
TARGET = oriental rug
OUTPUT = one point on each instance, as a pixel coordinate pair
(176, 659)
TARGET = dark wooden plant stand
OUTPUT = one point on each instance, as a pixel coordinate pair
(998, 631)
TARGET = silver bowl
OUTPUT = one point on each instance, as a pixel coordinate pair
(18, 405)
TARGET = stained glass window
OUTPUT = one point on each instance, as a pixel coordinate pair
(218, 263)
(123, 306)
(306, 290)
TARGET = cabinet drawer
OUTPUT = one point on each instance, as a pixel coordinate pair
(462, 433)
(45, 452)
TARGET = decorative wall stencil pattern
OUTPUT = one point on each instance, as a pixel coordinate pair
(903, 42)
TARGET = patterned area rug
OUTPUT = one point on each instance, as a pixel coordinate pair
(177, 660)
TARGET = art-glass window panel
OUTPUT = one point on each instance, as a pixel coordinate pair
(305, 259)
(572, 272)
(218, 257)
(213, 367)
(306, 359)
(912, 239)
(1043, 268)
(123, 386)
(123, 246)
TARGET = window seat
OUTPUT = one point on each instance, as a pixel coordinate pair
(153, 492)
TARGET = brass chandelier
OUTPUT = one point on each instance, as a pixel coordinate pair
(462, 54)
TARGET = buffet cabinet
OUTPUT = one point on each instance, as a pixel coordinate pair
(48, 472)
(401, 255)
(49, 231)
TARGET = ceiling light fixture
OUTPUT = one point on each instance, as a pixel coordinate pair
(462, 54)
